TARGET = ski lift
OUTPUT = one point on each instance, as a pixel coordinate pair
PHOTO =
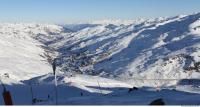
(54, 64)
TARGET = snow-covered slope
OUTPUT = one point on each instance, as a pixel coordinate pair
(159, 48)
(101, 57)
(94, 90)
(21, 56)
(162, 48)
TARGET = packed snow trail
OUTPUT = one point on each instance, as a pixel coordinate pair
(85, 90)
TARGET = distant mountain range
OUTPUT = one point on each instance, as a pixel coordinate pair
(162, 48)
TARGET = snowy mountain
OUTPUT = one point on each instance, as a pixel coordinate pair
(162, 48)
(101, 57)
(20, 55)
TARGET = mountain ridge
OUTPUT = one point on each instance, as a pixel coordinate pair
(132, 50)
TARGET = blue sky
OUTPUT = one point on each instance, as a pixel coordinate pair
(63, 11)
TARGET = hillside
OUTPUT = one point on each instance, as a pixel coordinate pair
(162, 48)
(103, 58)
